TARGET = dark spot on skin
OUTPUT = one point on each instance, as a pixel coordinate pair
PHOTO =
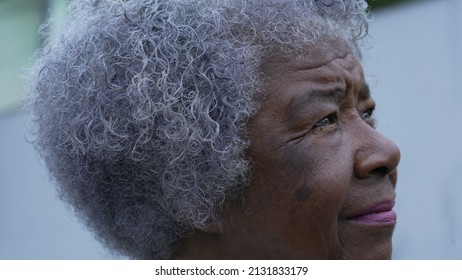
(302, 194)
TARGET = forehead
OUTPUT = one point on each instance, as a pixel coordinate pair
(329, 71)
(329, 62)
(323, 51)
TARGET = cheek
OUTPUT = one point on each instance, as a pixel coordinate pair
(320, 183)
(308, 182)
(300, 192)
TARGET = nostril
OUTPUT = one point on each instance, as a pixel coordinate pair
(378, 156)
(381, 171)
(378, 162)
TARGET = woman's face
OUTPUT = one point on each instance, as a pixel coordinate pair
(324, 179)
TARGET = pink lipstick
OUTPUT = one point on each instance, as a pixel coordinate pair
(380, 214)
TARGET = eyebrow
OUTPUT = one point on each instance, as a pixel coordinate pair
(336, 94)
(364, 92)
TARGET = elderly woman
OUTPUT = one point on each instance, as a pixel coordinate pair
(217, 129)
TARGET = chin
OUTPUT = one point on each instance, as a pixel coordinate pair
(372, 244)
(376, 253)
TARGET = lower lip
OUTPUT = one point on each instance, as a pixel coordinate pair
(385, 218)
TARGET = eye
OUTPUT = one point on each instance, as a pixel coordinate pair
(368, 116)
(326, 121)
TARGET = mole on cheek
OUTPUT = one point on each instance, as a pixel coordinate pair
(302, 194)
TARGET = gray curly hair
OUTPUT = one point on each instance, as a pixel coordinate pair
(139, 107)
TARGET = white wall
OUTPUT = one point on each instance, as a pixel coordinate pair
(415, 69)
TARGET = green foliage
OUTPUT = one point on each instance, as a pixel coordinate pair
(375, 4)
(19, 20)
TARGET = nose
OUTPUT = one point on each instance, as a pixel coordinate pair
(376, 155)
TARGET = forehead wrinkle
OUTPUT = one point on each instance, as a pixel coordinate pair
(302, 63)
(279, 66)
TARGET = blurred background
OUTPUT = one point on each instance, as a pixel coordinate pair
(414, 67)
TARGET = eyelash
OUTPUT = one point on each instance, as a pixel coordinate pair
(368, 116)
(331, 119)
(369, 112)
(326, 121)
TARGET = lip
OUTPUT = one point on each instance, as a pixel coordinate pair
(381, 214)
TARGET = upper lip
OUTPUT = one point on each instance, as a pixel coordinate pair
(383, 206)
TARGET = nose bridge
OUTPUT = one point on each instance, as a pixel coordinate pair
(375, 154)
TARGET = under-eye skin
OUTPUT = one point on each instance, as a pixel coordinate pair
(326, 124)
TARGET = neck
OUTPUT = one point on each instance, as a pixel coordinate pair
(201, 245)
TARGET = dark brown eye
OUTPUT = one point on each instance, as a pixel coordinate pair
(368, 117)
(326, 121)
(367, 114)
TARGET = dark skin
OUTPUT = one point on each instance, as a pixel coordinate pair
(318, 162)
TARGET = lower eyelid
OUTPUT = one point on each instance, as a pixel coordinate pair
(332, 126)
(371, 121)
